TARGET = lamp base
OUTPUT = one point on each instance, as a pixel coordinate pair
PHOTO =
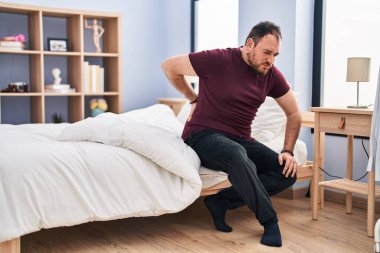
(357, 106)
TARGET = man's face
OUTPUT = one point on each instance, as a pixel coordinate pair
(261, 56)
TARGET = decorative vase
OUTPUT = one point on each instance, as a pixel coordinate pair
(96, 112)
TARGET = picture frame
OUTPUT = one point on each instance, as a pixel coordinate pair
(57, 44)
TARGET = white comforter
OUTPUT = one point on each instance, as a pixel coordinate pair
(49, 177)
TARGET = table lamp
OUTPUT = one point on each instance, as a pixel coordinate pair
(358, 71)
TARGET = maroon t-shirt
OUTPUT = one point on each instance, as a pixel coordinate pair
(230, 92)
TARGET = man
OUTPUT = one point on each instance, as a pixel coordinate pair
(233, 84)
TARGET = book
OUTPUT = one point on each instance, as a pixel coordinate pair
(11, 44)
(70, 90)
(57, 87)
(94, 77)
(89, 81)
(101, 79)
(2, 48)
(85, 77)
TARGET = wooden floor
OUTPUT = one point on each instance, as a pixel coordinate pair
(192, 231)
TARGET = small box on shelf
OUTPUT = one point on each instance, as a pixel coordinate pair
(11, 45)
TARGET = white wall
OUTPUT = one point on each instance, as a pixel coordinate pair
(336, 157)
(178, 34)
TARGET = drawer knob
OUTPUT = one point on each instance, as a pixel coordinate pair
(342, 123)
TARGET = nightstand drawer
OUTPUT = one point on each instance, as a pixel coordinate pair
(347, 124)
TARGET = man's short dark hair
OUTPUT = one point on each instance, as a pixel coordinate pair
(262, 29)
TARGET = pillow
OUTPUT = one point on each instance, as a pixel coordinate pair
(184, 113)
(269, 122)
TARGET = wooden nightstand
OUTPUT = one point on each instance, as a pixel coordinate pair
(174, 103)
(350, 122)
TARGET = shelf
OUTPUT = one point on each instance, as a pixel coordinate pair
(107, 93)
(172, 100)
(350, 186)
(19, 51)
(62, 53)
(11, 8)
(101, 54)
(56, 94)
(20, 94)
(34, 66)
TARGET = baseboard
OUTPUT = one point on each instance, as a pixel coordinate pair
(358, 201)
(292, 193)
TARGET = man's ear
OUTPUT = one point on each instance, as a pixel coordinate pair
(250, 43)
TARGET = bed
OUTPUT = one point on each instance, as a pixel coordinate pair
(104, 168)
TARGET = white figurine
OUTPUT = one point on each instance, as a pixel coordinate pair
(56, 74)
(98, 33)
(58, 86)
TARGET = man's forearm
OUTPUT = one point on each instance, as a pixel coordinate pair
(180, 84)
(293, 125)
(175, 69)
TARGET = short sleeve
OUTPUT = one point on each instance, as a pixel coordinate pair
(279, 85)
(206, 63)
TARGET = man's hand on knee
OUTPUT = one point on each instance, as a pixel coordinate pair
(290, 164)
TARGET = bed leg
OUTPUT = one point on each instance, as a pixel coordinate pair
(11, 246)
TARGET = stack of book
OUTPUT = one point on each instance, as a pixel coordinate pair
(11, 45)
(59, 88)
(93, 76)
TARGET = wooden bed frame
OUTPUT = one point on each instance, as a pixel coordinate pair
(305, 172)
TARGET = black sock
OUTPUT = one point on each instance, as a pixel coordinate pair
(272, 235)
(218, 209)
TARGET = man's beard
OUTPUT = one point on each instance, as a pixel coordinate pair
(256, 67)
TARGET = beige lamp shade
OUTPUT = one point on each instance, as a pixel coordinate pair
(358, 69)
